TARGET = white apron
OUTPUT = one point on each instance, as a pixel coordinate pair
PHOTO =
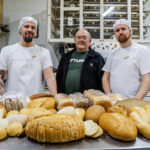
(25, 71)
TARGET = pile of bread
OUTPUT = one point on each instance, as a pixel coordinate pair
(65, 118)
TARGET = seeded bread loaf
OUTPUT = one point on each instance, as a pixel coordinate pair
(56, 128)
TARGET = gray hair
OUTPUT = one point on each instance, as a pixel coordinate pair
(88, 33)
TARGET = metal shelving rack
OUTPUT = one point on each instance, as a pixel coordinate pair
(66, 16)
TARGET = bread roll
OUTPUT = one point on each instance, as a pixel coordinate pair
(119, 109)
(94, 112)
(98, 98)
(14, 128)
(45, 102)
(91, 128)
(118, 126)
(56, 128)
(3, 133)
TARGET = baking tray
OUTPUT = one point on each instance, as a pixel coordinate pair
(104, 142)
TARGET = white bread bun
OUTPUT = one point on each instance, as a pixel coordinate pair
(94, 112)
(91, 128)
(118, 126)
(12, 112)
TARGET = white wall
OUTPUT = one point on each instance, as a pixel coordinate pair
(16, 9)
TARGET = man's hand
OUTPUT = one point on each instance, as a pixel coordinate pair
(2, 88)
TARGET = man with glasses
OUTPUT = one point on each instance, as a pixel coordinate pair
(127, 69)
(80, 69)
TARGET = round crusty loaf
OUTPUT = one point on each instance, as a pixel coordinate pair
(94, 112)
(3, 133)
(57, 128)
(118, 126)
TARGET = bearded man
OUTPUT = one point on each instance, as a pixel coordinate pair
(127, 69)
(26, 64)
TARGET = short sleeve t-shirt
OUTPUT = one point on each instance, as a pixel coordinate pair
(72, 83)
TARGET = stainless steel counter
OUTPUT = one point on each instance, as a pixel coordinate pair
(105, 142)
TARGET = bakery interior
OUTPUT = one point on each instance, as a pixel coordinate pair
(91, 120)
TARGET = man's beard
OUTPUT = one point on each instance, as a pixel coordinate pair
(28, 39)
(124, 38)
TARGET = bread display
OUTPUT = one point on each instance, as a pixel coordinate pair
(14, 129)
(45, 102)
(56, 128)
(115, 97)
(94, 112)
(121, 109)
(79, 100)
(3, 133)
(63, 100)
(98, 98)
(118, 126)
(132, 102)
(141, 117)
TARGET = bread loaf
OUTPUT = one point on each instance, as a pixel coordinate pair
(79, 100)
(132, 102)
(118, 126)
(56, 128)
(98, 98)
(35, 96)
(63, 100)
(141, 116)
(45, 102)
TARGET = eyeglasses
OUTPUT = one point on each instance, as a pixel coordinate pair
(81, 37)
